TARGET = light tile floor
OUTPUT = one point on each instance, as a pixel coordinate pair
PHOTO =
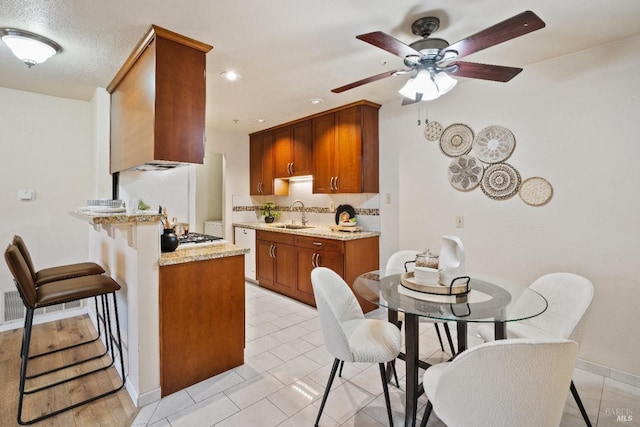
(286, 369)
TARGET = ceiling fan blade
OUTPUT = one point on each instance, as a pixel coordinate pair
(365, 81)
(474, 70)
(508, 29)
(386, 42)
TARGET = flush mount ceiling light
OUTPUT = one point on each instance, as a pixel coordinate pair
(316, 101)
(29, 47)
(230, 75)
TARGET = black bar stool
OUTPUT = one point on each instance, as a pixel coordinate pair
(58, 292)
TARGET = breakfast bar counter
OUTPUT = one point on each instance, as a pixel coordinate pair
(182, 312)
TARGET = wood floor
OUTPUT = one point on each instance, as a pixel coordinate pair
(116, 410)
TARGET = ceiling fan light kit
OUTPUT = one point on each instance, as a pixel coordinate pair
(434, 61)
(29, 47)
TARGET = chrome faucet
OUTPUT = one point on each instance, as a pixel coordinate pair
(303, 218)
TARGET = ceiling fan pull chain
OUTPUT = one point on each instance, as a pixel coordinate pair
(419, 123)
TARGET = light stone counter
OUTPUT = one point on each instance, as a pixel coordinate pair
(320, 231)
(201, 252)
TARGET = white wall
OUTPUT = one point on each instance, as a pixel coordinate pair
(574, 119)
(45, 145)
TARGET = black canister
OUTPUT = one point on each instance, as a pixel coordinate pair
(168, 240)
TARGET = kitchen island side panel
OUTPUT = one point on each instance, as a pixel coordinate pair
(202, 320)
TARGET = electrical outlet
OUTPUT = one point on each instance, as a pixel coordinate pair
(387, 198)
(459, 222)
(332, 206)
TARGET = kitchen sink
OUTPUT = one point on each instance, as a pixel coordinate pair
(291, 226)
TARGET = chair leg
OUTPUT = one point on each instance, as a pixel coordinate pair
(446, 330)
(113, 340)
(427, 414)
(576, 396)
(341, 366)
(439, 336)
(334, 369)
(80, 344)
(385, 388)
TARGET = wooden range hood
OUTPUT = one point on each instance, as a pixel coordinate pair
(158, 103)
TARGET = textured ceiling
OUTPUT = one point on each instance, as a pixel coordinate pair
(288, 51)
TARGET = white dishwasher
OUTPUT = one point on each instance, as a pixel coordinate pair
(246, 237)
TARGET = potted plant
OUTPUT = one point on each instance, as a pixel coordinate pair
(268, 210)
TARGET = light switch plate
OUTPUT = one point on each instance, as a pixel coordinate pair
(26, 194)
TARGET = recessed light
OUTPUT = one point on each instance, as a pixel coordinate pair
(316, 101)
(230, 75)
(261, 120)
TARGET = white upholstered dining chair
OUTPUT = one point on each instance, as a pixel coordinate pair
(405, 260)
(569, 297)
(348, 336)
(519, 382)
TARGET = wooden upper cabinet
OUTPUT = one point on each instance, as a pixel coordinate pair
(345, 150)
(261, 163)
(158, 102)
(293, 150)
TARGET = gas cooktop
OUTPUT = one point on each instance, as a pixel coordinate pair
(197, 238)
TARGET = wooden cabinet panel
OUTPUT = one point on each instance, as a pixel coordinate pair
(293, 150)
(302, 148)
(289, 273)
(323, 145)
(261, 164)
(201, 321)
(345, 150)
(158, 107)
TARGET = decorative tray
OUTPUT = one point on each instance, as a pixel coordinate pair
(457, 287)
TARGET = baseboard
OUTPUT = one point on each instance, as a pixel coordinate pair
(140, 400)
(607, 372)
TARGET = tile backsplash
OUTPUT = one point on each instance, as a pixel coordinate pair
(317, 206)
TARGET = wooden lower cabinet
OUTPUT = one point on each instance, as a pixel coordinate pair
(202, 320)
(285, 261)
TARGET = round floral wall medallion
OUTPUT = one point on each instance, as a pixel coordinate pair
(494, 144)
(500, 181)
(456, 140)
(432, 131)
(465, 173)
(535, 191)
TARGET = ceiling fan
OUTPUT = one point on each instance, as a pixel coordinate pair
(434, 60)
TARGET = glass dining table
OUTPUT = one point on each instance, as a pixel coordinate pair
(486, 302)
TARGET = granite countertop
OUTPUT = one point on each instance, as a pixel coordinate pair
(201, 252)
(115, 218)
(322, 231)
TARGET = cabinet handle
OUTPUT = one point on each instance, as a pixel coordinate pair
(331, 183)
(275, 254)
(336, 183)
(317, 243)
(313, 260)
(244, 231)
(271, 249)
(317, 260)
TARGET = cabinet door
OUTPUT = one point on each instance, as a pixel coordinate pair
(348, 150)
(261, 164)
(308, 259)
(283, 152)
(264, 262)
(255, 164)
(323, 150)
(285, 273)
(302, 161)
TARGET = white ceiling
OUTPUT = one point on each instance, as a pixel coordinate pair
(288, 51)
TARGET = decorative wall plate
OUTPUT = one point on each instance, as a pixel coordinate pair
(535, 191)
(465, 173)
(432, 131)
(494, 144)
(500, 181)
(456, 140)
